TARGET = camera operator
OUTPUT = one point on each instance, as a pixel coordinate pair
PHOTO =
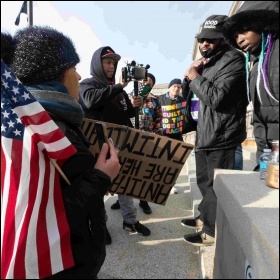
(150, 121)
(104, 100)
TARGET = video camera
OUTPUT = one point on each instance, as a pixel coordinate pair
(134, 72)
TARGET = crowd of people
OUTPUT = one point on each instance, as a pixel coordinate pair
(239, 65)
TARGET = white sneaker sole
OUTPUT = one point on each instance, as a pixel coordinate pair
(191, 227)
(199, 244)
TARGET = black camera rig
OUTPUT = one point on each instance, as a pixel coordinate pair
(134, 72)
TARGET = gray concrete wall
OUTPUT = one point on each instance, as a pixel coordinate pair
(247, 226)
(230, 259)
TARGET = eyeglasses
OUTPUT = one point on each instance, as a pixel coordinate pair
(210, 41)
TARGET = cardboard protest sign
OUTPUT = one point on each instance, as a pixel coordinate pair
(150, 163)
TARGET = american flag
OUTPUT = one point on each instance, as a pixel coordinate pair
(35, 239)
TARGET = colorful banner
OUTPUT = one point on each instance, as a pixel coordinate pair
(173, 117)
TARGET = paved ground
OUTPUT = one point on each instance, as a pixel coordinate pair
(163, 254)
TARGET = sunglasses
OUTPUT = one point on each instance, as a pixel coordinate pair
(210, 41)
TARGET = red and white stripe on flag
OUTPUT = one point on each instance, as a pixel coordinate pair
(35, 238)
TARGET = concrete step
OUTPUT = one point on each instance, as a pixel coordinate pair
(250, 142)
(249, 158)
(163, 254)
(206, 258)
(249, 152)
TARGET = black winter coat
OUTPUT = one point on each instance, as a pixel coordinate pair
(84, 206)
(85, 211)
(266, 115)
(222, 101)
(84, 198)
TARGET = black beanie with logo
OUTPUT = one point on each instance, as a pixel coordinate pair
(42, 54)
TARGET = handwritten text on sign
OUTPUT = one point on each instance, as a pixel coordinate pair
(150, 163)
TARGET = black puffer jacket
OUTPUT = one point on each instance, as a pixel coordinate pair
(266, 114)
(222, 101)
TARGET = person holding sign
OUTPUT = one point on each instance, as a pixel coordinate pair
(218, 80)
(45, 60)
(105, 100)
(173, 108)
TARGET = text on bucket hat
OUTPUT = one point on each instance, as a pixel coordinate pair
(175, 82)
(212, 27)
(42, 54)
(108, 52)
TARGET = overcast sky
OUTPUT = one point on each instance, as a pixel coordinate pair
(160, 34)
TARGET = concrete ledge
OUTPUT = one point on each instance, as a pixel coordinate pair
(250, 220)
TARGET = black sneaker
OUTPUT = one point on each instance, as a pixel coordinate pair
(136, 228)
(199, 239)
(145, 207)
(116, 205)
(108, 237)
(192, 223)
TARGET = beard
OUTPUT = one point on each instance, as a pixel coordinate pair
(211, 52)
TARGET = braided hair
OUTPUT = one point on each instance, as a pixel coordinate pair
(266, 44)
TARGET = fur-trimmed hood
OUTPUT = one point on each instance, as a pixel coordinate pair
(259, 5)
(260, 21)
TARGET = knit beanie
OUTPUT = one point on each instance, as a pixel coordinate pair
(42, 54)
(175, 82)
(152, 77)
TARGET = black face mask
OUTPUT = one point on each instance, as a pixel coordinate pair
(209, 53)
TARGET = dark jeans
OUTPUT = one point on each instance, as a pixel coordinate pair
(206, 163)
(238, 158)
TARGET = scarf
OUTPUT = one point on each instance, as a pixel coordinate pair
(58, 103)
